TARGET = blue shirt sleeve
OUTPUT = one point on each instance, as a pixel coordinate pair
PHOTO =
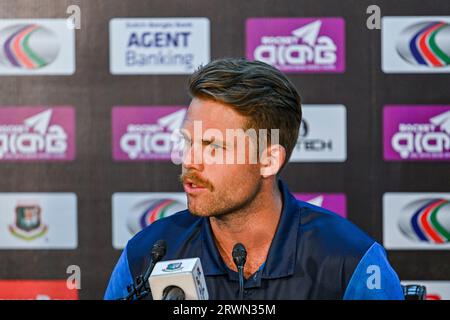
(374, 278)
(120, 279)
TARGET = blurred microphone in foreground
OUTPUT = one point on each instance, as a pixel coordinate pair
(179, 280)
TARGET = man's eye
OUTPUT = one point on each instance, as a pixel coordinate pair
(213, 145)
(216, 146)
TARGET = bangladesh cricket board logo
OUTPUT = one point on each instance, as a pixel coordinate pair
(28, 46)
(28, 222)
(172, 267)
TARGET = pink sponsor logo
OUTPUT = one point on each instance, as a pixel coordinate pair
(416, 133)
(335, 202)
(145, 133)
(36, 290)
(298, 45)
(37, 133)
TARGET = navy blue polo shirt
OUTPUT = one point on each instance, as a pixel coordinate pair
(315, 254)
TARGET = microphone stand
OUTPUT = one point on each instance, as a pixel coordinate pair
(241, 282)
(142, 288)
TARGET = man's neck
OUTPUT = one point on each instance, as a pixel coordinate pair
(254, 226)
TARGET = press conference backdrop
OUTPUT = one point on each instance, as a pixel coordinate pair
(86, 117)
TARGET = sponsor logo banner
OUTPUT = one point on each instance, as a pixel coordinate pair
(38, 221)
(37, 133)
(298, 45)
(158, 45)
(416, 133)
(335, 202)
(416, 221)
(132, 212)
(36, 47)
(36, 290)
(145, 133)
(323, 134)
(416, 44)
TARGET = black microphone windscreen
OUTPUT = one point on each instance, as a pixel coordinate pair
(239, 254)
(159, 249)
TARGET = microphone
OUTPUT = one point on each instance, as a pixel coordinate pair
(179, 280)
(158, 252)
(240, 257)
(142, 288)
(173, 293)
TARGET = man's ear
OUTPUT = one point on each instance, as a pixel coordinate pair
(272, 159)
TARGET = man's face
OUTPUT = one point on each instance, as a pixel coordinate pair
(215, 185)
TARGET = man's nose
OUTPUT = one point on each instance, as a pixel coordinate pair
(192, 157)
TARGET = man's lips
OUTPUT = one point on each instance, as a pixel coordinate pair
(192, 187)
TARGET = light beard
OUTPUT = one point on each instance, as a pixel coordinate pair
(223, 212)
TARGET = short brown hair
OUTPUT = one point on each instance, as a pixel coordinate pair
(255, 90)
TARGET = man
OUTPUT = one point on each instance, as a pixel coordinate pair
(295, 250)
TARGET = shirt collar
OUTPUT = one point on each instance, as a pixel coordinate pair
(283, 250)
